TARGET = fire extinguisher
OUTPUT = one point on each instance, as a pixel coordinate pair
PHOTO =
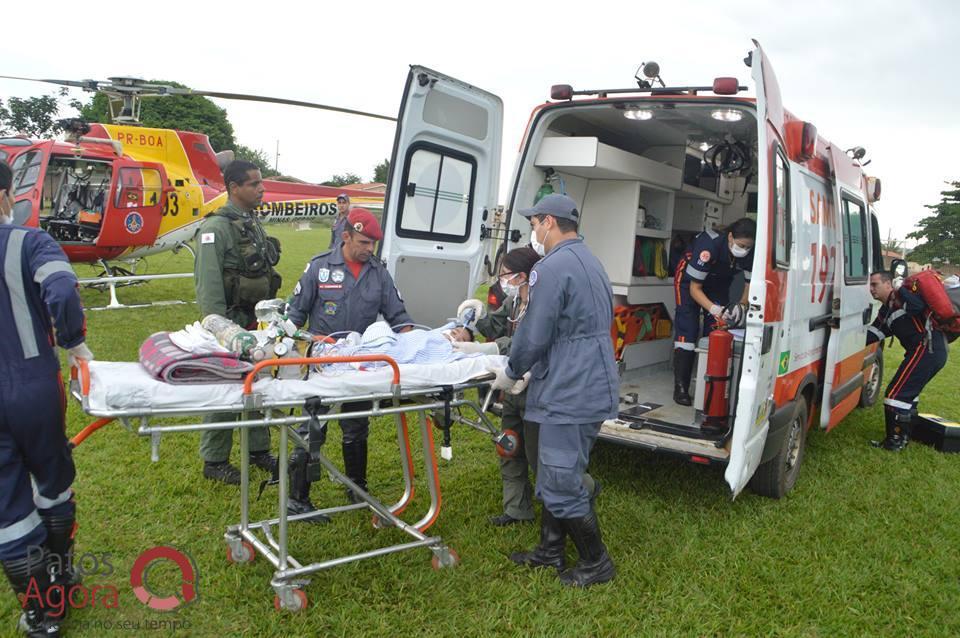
(716, 405)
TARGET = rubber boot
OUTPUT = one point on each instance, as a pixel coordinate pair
(897, 429)
(298, 501)
(549, 553)
(595, 565)
(59, 545)
(355, 467)
(31, 583)
(682, 372)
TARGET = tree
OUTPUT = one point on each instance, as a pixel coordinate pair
(939, 234)
(381, 171)
(342, 180)
(32, 116)
(181, 112)
(256, 156)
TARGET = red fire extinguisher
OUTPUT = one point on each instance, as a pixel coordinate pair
(716, 404)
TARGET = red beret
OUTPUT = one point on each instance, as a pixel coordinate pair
(363, 221)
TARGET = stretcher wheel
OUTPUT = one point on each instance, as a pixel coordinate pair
(298, 601)
(450, 559)
(246, 554)
(514, 439)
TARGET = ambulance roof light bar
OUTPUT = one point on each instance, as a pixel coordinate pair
(720, 86)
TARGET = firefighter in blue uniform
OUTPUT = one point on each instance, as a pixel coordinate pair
(702, 287)
(340, 223)
(564, 345)
(904, 315)
(38, 292)
(343, 290)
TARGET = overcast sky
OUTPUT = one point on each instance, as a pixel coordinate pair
(881, 75)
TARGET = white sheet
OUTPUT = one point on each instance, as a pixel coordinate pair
(127, 386)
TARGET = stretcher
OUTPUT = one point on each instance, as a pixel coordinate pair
(436, 392)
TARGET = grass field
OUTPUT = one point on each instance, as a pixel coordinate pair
(868, 543)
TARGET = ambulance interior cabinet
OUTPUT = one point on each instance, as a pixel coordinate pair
(589, 157)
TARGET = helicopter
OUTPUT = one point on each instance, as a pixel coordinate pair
(123, 191)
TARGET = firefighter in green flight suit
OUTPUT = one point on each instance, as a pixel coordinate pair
(233, 271)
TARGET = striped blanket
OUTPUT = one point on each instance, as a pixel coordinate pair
(167, 362)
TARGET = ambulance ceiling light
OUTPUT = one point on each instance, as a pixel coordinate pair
(726, 115)
(638, 114)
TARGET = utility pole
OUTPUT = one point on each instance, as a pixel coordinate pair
(276, 158)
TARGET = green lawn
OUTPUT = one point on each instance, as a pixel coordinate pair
(866, 544)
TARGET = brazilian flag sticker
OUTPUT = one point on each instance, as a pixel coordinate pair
(784, 362)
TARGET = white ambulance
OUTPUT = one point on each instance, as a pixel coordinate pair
(648, 165)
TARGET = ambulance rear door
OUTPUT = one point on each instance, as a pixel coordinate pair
(442, 188)
(759, 364)
(851, 307)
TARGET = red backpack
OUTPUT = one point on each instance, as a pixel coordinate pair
(944, 304)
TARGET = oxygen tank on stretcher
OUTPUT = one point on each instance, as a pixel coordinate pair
(716, 401)
(233, 337)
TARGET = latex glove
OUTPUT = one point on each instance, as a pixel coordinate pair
(716, 310)
(479, 308)
(734, 315)
(502, 382)
(79, 352)
(472, 347)
(520, 385)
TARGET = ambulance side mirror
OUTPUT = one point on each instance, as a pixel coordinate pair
(898, 268)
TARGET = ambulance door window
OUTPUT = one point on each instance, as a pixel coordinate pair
(855, 264)
(781, 218)
(437, 199)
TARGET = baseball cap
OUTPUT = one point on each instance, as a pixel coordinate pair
(363, 221)
(344, 197)
(560, 206)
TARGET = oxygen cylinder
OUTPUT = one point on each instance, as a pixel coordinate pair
(719, 351)
(233, 337)
(546, 189)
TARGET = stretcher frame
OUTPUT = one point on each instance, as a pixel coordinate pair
(247, 538)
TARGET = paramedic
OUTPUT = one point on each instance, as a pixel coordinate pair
(564, 343)
(904, 315)
(232, 272)
(702, 286)
(39, 306)
(498, 328)
(343, 290)
(340, 223)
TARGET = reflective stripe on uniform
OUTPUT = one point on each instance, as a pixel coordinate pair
(13, 275)
(45, 503)
(21, 528)
(684, 345)
(51, 267)
(893, 403)
(893, 316)
(877, 332)
(696, 274)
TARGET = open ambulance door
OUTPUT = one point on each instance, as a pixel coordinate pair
(759, 362)
(852, 304)
(443, 185)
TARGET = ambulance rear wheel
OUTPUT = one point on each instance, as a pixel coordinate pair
(874, 381)
(776, 477)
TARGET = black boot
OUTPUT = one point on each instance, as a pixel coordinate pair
(898, 431)
(595, 565)
(682, 371)
(549, 553)
(31, 583)
(298, 501)
(266, 462)
(59, 546)
(355, 466)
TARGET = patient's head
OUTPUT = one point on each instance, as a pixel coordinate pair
(458, 334)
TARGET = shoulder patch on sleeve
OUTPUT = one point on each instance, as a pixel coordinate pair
(533, 278)
(297, 289)
(704, 256)
(207, 238)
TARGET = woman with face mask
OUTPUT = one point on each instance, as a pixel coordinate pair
(702, 288)
(498, 328)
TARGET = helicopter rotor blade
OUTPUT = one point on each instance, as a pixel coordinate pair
(87, 85)
(277, 100)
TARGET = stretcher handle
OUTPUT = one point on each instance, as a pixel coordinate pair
(83, 373)
(82, 435)
(300, 361)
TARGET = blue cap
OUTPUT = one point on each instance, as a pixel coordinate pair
(343, 196)
(560, 206)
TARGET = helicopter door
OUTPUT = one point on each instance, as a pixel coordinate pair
(135, 204)
(442, 186)
(28, 170)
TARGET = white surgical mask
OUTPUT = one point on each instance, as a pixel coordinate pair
(536, 245)
(511, 290)
(738, 251)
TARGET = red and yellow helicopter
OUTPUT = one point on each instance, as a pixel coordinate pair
(122, 191)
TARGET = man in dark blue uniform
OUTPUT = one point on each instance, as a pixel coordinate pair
(340, 223)
(905, 315)
(38, 292)
(564, 345)
(702, 287)
(343, 290)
